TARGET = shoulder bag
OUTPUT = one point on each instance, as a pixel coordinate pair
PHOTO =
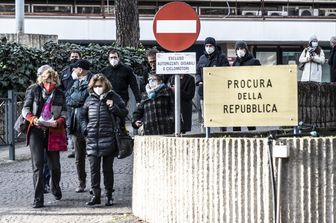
(124, 141)
(21, 125)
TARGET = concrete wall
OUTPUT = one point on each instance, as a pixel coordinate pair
(30, 40)
(227, 180)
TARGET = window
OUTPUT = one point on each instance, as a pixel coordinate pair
(217, 11)
(10, 8)
(88, 9)
(267, 58)
(146, 10)
(51, 8)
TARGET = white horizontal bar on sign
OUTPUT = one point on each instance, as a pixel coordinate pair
(176, 26)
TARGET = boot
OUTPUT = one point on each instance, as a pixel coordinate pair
(94, 200)
(108, 201)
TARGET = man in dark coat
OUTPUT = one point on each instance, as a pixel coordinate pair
(75, 98)
(244, 58)
(332, 59)
(66, 83)
(212, 57)
(156, 109)
(121, 76)
(187, 94)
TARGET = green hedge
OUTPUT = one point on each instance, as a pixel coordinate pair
(19, 64)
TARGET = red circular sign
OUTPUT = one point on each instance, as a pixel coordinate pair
(176, 26)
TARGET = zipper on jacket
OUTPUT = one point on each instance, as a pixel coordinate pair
(97, 133)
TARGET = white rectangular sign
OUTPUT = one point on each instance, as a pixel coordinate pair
(176, 63)
(176, 26)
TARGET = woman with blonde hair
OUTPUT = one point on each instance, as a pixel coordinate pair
(44, 108)
(98, 128)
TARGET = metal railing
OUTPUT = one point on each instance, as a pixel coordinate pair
(10, 109)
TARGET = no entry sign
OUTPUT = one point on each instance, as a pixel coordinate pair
(176, 26)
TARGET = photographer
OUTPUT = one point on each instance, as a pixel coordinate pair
(313, 58)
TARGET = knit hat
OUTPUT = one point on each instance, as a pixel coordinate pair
(313, 38)
(84, 64)
(241, 44)
(210, 40)
(333, 41)
(43, 68)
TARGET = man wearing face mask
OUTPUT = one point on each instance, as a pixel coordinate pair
(212, 57)
(332, 59)
(66, 83)
(66, 78)
(75, 98)
(121, 76)
(244, 58)
(313, 58)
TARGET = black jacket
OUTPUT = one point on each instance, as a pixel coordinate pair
(332, 63)
(97, 124)
(66, 78)
(216, 59)
(121, 76)
(247, 60)
(187, 94)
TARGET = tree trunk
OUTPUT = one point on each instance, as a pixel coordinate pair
(127, 23)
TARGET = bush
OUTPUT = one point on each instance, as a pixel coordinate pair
(19, 64)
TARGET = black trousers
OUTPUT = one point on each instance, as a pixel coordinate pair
(80, 155)
(38, 143)
(95, 163)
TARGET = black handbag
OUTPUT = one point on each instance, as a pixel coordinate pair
(21, 125)
(124, 141)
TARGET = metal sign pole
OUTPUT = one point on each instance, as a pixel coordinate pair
(177, 105)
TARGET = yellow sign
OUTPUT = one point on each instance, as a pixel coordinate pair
(250, 96)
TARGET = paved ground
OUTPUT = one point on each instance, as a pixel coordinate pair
(17, 191)
(17, 194)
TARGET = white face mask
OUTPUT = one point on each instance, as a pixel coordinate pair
(153, 83)
(114, 62)
(209, 49)
(98, 90)
(241, 53)
(74, 75)
(314, 44)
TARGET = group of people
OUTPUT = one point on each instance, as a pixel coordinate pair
(75, 110)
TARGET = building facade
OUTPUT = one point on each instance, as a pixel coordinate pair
(275, 30)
